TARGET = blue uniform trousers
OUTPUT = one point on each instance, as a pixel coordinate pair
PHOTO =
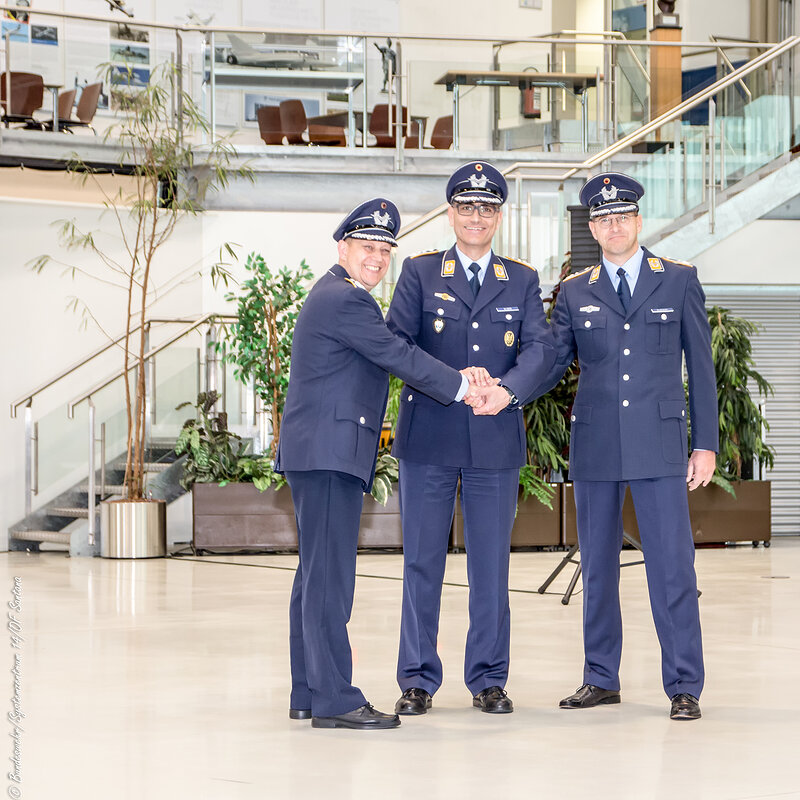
(427, 503)
(662, 513)
(328, 512)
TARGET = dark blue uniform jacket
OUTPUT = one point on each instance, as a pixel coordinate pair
(629, 418)
(342, 353)
(503, 329)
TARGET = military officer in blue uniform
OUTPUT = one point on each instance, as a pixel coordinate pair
(342, 354)
(466, 306)
(631, 320)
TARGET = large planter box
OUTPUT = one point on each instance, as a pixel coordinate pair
(239, 517)
(535, 526)
(716, 516)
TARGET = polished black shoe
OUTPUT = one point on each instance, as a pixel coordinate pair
(588, 696)
(299, 713)
(684, 706)
(493, 700)
(365, 718)
(413, 701)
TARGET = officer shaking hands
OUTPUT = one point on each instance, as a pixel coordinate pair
(465, 306)
(342, 354)
(632, 320)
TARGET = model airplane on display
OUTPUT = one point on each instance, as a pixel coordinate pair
(119, 5)
(246, 55)
(193, 18)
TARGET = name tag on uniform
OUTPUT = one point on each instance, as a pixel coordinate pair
(662, 310)
(589, 309)
(507, 308)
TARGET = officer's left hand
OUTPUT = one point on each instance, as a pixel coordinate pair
(702, 464)
(495, 399)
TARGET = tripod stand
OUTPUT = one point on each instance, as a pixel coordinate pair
(569, 558)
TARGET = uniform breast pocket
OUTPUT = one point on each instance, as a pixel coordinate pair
(355, 433)
(663, 331)
(506, 322)
(590, 336)
(438, 318)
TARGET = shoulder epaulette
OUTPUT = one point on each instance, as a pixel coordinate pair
(578, 274)
(520, 261)
(682, 263)
(424, 253)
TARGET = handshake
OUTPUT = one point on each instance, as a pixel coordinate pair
(484, 395)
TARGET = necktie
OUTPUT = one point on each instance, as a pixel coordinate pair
(623, 290)
(474, 283)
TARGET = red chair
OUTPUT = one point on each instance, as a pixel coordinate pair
(269, 124)
(294, 123)
(27, 93)
(442, 134)
(383, 128)
(87, 107)
(415, 136)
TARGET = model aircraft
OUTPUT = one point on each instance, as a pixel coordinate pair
(246, 55)
(193, 18)
(119, 5)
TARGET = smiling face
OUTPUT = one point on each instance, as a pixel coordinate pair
(618, 235)
(365, 260)
(474, 233)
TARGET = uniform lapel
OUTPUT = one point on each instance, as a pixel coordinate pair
(647, 282)
(603, 290)
(457, 282)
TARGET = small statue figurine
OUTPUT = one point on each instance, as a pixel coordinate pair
(389, 60)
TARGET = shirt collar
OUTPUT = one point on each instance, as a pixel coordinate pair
(632, 267)
(482, 262)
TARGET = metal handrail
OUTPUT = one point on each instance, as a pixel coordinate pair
(147, 357)
(729, 64)
(27, 398)
(143, 23)
(634, 136)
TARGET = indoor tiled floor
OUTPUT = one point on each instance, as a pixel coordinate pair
(169, 679)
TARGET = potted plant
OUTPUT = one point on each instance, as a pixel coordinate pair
(736, 507)
(156, 150)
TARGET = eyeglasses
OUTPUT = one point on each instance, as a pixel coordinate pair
(468, 209)
(607, 222)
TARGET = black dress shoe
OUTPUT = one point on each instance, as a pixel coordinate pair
(299, 713)
(365, 718)
(684, 706)
(413, 701)
(493, 700)
(588, 696)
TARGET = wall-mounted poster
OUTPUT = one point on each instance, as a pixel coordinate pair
(44, 34)
(130, 76)
(130, 53)
(18, 31)
(129, 33)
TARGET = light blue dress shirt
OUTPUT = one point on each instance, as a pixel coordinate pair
(631, 267)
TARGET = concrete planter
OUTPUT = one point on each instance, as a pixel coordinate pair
(239, 517)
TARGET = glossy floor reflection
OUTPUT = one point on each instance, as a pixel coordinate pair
(169, 679)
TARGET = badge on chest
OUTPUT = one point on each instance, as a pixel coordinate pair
(438, 324)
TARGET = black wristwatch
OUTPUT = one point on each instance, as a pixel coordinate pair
(514, 401)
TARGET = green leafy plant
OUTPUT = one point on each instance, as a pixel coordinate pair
(157, 150)
(387, 473)
(547, 426)
(741, 423)
(216, 455)
(259, 343)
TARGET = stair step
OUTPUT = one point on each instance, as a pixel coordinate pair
(107, 489)
(69, 511)
(157, 466)
(56, 537)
